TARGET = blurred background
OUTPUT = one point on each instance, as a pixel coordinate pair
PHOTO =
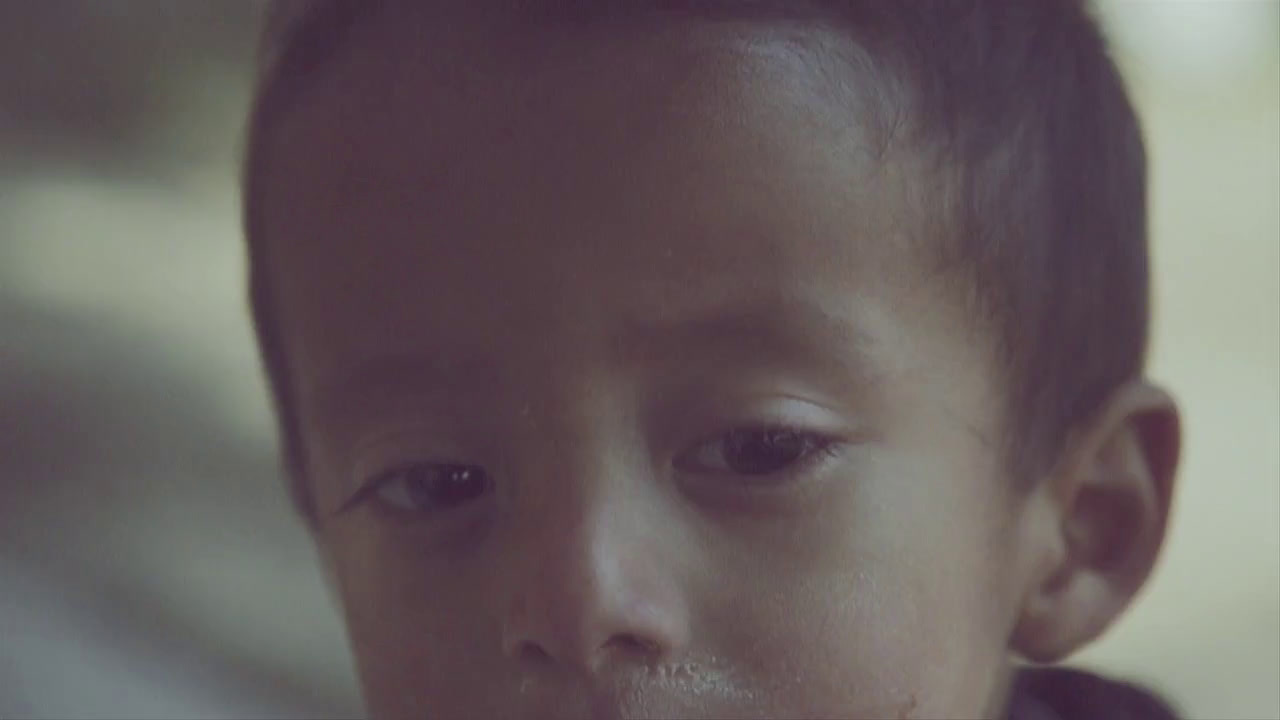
(149, 563)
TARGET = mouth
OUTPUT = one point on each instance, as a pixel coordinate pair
(703, 682)
(669, 690)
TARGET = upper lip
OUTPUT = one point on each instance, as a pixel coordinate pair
(619, 700)
(671, 690)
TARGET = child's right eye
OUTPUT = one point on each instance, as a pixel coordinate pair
(428, 487)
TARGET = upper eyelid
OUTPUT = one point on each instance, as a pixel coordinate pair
(376, 453)
(777, 412)
(824, 439)
(378, 478)
(411, 442)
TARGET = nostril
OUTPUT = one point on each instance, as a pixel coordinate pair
(534, 654)
(633, 644)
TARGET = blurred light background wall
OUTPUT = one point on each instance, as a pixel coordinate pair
(149, 564)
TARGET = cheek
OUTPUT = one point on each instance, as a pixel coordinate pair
(899, 617)
(416, 640)
(879, 644)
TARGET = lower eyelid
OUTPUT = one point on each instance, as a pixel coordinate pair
(813, 461)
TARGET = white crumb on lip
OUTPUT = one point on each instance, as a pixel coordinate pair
(700, 681)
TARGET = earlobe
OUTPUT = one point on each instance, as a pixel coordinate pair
(1098, 523)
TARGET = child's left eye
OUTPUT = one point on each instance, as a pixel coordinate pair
(755, 451)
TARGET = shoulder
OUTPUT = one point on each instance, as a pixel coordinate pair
(1069, 694)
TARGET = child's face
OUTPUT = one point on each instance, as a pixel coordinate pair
(688, 429)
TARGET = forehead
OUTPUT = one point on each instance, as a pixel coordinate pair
(456, 178)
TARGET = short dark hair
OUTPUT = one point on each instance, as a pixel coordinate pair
(1041, 204)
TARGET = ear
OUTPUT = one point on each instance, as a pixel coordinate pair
(1096, 524)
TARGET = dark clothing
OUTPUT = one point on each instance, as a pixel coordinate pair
(1063, 694)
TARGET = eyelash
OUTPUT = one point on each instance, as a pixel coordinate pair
(816, 449)
(371, 489)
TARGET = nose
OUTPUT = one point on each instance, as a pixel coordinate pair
(593, 591)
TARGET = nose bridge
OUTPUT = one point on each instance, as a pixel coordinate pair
(588, 581)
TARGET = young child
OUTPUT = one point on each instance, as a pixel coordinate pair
(713, 359)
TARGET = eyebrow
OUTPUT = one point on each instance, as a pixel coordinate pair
(797, 321)
(388, 377)
(799, 334)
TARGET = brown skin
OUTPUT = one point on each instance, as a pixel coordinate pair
(579, 271)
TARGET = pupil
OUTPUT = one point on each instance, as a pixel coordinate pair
(445, 485)
(757, 452)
